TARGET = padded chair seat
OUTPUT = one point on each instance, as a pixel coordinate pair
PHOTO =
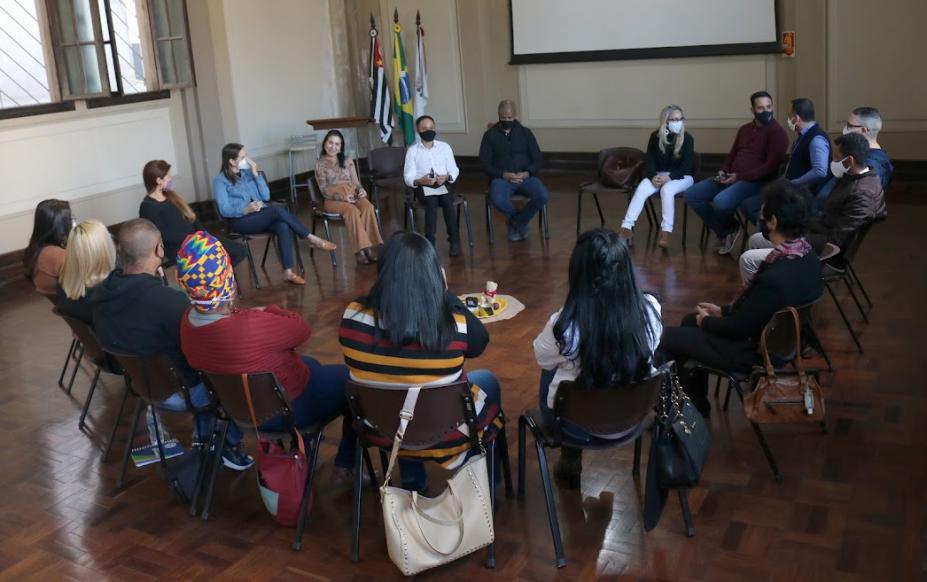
(600, 188)
(394, 182)
(553, 438)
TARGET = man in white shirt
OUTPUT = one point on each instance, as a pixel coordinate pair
(430, 169)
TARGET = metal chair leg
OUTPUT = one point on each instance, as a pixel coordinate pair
(93, 386)
(859, 284)
(80, 357)
(374, 486)
(67, 361)
(546, 222)
(685, 222)
(466, 207)
(328, 235)
(307, 492)
(849, 282)
(112, 433)
(506, 466)
(216, 465)
(355, 518)
(251, 267)
(686, 514)
(579, 210)
(120, 482)
(843, 315)
(489, 218)
(766, 451)
(637, 456)
(522, 425)
(598, 207)
(201, 474)
(551, 505)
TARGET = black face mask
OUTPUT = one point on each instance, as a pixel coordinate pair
(764, 229)
(763, 117)
(507, 125)
(428, 135)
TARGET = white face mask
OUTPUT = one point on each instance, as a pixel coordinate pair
(243, 164)
(837, 169)
(674, 126)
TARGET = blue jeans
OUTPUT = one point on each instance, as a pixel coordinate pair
(413, 473)
(716, 203)
(323, 399)
(569, 429)
(500, 192)
(277, 220)
(199, 397)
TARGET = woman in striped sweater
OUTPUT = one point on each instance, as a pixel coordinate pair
(410, 330)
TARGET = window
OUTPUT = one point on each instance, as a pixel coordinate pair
(65, 50)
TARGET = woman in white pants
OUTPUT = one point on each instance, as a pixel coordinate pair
(670, 165)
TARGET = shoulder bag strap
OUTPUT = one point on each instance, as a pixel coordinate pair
(799, 367)
(405, 415)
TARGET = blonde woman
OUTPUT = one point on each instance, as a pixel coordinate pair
(89, 258)
(670, 165)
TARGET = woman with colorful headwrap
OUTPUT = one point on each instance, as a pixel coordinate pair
(217, 336)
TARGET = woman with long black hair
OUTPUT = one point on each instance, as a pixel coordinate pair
(44, 256)
(605, 333)
(241, 194)
(410, 330)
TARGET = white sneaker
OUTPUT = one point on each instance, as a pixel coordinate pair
(729, 242)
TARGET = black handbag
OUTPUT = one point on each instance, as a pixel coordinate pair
(681, 438)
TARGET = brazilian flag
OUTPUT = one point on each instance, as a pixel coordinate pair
(402, 89)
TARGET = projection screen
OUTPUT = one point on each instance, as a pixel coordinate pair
(556, 31)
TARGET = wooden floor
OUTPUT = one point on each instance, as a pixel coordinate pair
(852, 506)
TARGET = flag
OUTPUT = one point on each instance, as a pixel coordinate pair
(402, 89)
(381, 111)
(421, 72)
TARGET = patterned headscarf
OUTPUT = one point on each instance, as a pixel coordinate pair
(205, 272)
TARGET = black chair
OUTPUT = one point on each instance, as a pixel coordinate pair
(622, 408)
(654, 217)
(319, 213)
(439, 411)
(543, 219)
(630, 156)
(832, 276)
(780, 341)
(152, 380)
(385, 165)
(412, 204)
(269, 400)
(102, 362)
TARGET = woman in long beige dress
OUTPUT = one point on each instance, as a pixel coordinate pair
(344, 194)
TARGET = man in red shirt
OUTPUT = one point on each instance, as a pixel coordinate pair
(758, 150)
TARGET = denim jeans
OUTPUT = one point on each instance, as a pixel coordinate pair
(199, 397)
(323, 399)
(413, 473)
(501, 191)
(277, 220)
(716, 203)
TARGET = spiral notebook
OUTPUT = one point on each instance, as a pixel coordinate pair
(148, 454)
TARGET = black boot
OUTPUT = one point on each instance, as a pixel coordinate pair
(569, 467)
(454, 240)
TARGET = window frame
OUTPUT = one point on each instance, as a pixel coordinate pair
(58, 45)
(154, 40)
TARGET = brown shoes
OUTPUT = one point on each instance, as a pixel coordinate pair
(295, 279)
(664, 241)
(321, 243)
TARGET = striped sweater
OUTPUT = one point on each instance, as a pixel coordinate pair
(375, 361)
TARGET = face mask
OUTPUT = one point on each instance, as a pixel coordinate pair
(674, 127)
(166, 186)
(243, 164)
(428, 135)
(837, 169)
(763, 117)
(792, 124)
(507, 125)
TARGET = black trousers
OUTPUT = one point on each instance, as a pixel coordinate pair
(431, 204)
(690, 343)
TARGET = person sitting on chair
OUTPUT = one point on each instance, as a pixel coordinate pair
(605, 333)
(344, 194)
(510, 156)
(241, 194)
(167, 210)
(758, 150)
(857, 200)
(726, 338)
(411, 329)
(217, 336)
(430, 169)
(670, 164)
(136, 314)
(44, 255)
(89, 259)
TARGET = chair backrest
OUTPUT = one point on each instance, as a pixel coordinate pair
(267, 397)
(386, 162)
(696, 165)
(611, 410)
(856, 241)
(781, 334)
(154, 378)
(315, 192)
(830, 250)
(438, 411)
(85, 336)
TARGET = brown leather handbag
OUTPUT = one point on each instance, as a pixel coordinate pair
(621, 170)
(786, 396)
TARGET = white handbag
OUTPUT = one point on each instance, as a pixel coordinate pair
(424, 532)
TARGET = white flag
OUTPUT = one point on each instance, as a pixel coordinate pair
(421, 74)
(380, 109)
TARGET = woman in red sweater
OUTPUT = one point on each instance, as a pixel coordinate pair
(217, 336)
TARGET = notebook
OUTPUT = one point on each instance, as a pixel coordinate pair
(148, 454)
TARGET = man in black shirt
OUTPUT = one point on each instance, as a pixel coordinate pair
(510, 156)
